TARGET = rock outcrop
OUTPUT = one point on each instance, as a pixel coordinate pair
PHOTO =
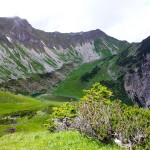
(137, 83)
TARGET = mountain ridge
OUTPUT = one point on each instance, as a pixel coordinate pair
(33, 61)
(25, 50)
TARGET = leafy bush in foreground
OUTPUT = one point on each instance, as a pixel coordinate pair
(102, 119)
(61, 118)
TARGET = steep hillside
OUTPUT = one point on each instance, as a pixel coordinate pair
(88, 74)
(126, 74)
(134, 66)
(137, 80)
(25, 51)
(36, 83)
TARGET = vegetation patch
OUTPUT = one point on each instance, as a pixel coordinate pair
(117, 87)
(69, 140)
(72, 86)
(13, 103)
(98, 117)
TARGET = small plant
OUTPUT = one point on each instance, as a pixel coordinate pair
(65, 110)
(40, 113)
(50, 125)
(61, 117)
(7, 120)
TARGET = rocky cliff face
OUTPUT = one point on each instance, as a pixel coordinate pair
(137, 83)
(25, 51)
(137, 80)
(132, 68)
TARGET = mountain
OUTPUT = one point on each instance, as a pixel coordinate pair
(134, 66)
(137, 80)
(126, 74)
(26, 51)
(33, 61)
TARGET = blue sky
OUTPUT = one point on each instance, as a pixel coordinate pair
(122, 19)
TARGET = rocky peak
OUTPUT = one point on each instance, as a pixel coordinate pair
(19, 30)
(21, 24)
(14, 24)
(145, 47)
(66, 39)
(81, 36)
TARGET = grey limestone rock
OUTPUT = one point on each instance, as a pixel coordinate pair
(137, 84)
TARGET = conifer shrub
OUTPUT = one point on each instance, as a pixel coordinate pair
(98, 117)
(102, 119)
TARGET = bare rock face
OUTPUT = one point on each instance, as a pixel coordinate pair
(137, 84)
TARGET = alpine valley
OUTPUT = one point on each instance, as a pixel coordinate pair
(89, 86)
(33, 61)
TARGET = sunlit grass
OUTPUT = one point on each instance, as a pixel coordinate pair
(11, 103)
(23, 106)
(67, 140)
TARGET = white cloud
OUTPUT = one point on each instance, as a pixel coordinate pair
(125, 20)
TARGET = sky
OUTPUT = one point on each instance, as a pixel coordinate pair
(123, 19)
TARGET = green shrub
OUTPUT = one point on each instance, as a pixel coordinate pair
(50, 125)
(98, 117)
(22, 113)
(61, 117)
(95, 113)
(65, 110)
(102, 119)
(7, 120)
(87, 76)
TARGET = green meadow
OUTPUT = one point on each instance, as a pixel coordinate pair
(29, 130)
(66, 140)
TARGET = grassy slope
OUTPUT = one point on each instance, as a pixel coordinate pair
(72, 86)
(109, 72)
(12, 103)
(30, 132)
(69, 140)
